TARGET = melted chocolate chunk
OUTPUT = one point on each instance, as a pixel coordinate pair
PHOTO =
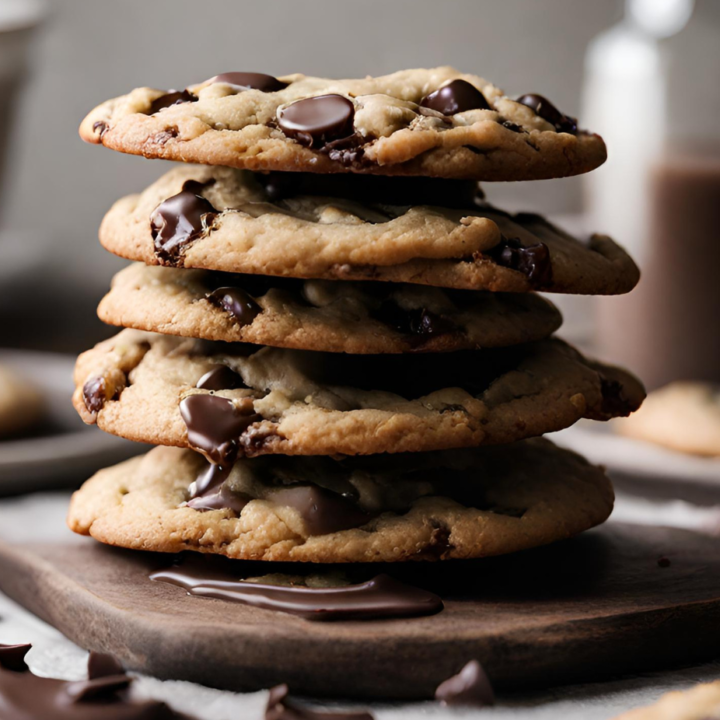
(209, 480)
(547, 111)
(214, 425)
(24, 695)
(221, 377)
(249, 81)
(614, 402)
(322, 511)
(174, 97)
(180, 220)
(531, 260)
(281, 707)
(381, 597)
(221, 498)
(12, 657)
(455, 97)
(316, 121)
(103, 665)
(94, 395)
(470, 687)
(236, 302)
(347, 151)
(419, 322)
(100, 128)
(512, 126)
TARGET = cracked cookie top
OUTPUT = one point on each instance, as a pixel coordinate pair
(435, 123)
(228, 400)
(415, 230)
(434, 506)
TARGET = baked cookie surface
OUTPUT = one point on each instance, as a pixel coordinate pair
(229, 401)
(459, 504)
(683, 416)
(20, 403)
(394, 229)
(321, 314)
(437, 123)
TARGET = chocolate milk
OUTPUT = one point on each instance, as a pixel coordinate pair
(668, 328)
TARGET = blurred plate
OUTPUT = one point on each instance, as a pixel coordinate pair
(62, 451)
(643, 468)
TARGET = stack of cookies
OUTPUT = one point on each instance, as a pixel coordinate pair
(332, 336)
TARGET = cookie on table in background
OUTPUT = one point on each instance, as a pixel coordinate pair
(350, 317)
(699, 703)
(21, 404)
(415, 230)
(683, 416)
(435, 123)
(429, 506)
(243, 399)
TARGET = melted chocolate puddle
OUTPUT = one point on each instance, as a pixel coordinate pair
(380, 597)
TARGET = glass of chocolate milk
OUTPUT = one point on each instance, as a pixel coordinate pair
(651, 89)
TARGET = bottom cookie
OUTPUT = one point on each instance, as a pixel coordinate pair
(422, 506)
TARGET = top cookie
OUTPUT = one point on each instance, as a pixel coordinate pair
(435, 123)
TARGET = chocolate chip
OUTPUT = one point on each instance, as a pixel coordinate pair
(94, 394)
(663, 562)
(12, 657)
(221, 377)
(419, 321)
(547, 111)
(100, 128)
(322, 511)
(174, 97)
(249, 81)
(531, 260)
(103, 665)
(316, 121)
(104, 688)
(512, 126)
(236, 302)
(180, 220)
(455, 97)
(614, 402)
(470, 687)
(214, 426)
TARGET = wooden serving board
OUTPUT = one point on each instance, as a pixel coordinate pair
(597, 606)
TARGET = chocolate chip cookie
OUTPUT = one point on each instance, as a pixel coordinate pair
(229, 401)
(430, 506)
(321, 314)
(394, 229)
(433, 123)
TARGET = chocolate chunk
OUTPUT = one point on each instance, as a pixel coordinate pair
(221, 377)
(249, 81)
(347, 151)
(455, 97)
(221, 498)
(419, 321)
(103, 665)
(236, 302)
(94, 394)
(316, 121)
(663, 562)
(104, 688)
(280, 707)
(174, 97)
(470, 687)
(214, 426)
(100, 128)
(380, 597)
(547, 111)
(322, 511)
(180, 220)
(210, 479)
(12, 657)
(512, 126)
(531, 260)
(614, 402)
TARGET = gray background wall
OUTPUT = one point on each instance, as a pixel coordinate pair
(90, 50)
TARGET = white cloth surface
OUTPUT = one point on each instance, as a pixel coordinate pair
(53, 655)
